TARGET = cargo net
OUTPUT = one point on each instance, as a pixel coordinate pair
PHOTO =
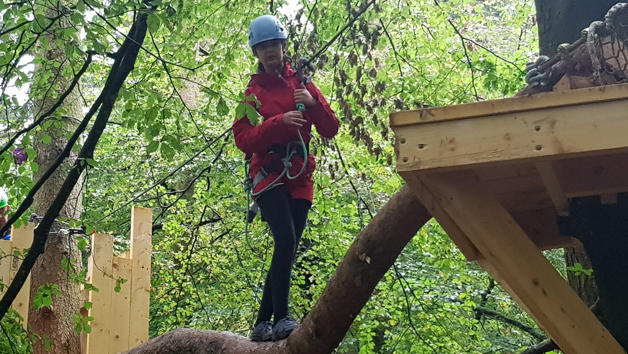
(601, 53)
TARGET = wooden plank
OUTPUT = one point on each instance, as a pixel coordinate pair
(552, 133)
(511, 105)
(141, 233)
(99, 273)
(520, 265)
(22, 239)
(554, 188)
(593, 175)
(540, 226)
(505, 171)
(453, 231)
(610, 198)
(5, 263)
(121, 306)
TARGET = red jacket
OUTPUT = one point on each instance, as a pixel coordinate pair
(276, 95)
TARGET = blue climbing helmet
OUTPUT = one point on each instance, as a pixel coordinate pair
(266, 28)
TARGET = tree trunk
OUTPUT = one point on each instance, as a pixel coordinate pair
(561, 21)
(582, 283)
(603, 230)
(55, 324)
(370, 256)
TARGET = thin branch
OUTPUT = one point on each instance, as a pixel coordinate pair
(484, 297)
(355, 18)
(495, 54)
(545, 346)
(158, 57)
(52, 109)
(163, 179)
(190, 114)
(4, 330)
(409, 308)
(394, 50)
(14, 28)
(498, 316)
(466, 52)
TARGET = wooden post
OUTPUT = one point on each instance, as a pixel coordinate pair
(22, 239)
(514, 260)
(121, 306)
(99, 273)
(141, 235)
(5, 262)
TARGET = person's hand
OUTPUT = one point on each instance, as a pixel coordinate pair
(302, 95)
(294, 119)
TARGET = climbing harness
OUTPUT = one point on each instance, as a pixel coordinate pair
(305, 72)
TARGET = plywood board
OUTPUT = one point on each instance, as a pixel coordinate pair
(22, 239)
(141, 234)
(5, 262)
(99, 274)
(121, 306)
(517, 261)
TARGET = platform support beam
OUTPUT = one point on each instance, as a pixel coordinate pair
(512, 259)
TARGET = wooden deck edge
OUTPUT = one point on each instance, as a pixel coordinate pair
(510, 105)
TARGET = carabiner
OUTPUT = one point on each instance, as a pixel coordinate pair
(304, 78)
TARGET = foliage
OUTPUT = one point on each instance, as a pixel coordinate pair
(168, 147)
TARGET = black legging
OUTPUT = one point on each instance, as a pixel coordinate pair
(286, 218)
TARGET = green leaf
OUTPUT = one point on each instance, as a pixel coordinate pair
(153, 23)
(89, 286)
(46, 138)
(81, 243)
(222, 108)
(152, 147)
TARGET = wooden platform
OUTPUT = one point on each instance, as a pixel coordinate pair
(496, 174)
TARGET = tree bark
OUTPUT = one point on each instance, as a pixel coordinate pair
(370, 256)
(56, 322)
(561, 21)
(583, 284)
(603, 230)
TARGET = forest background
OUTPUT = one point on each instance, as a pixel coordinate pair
(167, 146)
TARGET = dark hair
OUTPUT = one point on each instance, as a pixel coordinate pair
(286, 59)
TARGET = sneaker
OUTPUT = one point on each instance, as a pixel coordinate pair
(263, 332)
(284, 327)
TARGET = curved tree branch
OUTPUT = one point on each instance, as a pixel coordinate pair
(369, 257)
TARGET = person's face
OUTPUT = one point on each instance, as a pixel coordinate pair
(3, 211)
(270, 53)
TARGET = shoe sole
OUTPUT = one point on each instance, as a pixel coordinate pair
(283, 335)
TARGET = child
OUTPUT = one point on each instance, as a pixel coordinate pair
(284, 202)
(4, 207)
